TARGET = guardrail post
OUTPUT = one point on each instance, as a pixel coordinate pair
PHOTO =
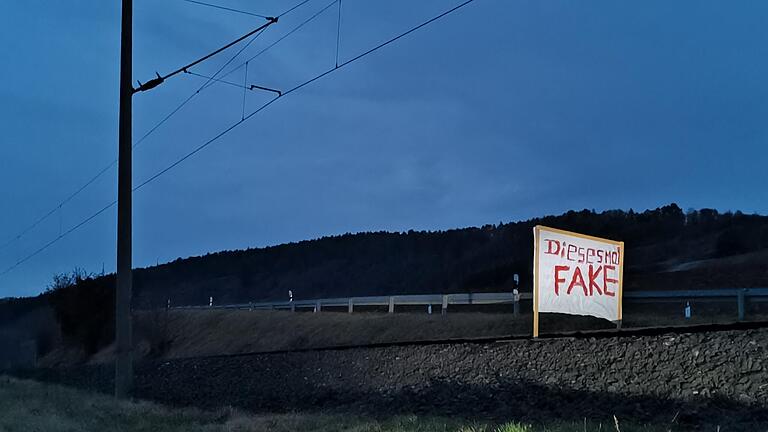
(741, 304)
(351, 306)
(515, 302)
(391, 304)
(516, 295)
(445, 305)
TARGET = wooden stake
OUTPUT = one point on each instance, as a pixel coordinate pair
(621, 283)
(536, 282)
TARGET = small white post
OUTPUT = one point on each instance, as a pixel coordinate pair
(391, 304)
(516, 304)
(351, 306)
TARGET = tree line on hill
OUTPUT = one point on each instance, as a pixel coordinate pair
(459, 260)
(413, 262)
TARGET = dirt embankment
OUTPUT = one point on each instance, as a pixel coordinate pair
(196, 333)
(704, 379)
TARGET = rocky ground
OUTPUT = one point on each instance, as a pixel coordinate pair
(700, 380)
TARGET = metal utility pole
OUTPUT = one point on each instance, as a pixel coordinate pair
(123, 331)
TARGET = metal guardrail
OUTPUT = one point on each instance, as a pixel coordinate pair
(740, 295)
(390, 301)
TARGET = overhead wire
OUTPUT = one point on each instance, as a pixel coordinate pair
(292, 31)
(154, 82)
(51, 212)
(226, 8)
(303, 84)
(205, 86)
(55, 240)
(300, 4)
(338, 35)
(245, 83)
(218, 80)
(236, 124)
(112, 164)
(234, 84)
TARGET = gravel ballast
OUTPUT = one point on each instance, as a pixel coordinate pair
(697, 379)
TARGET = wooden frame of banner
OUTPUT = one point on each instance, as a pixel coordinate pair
(536, 234)
(536, 231)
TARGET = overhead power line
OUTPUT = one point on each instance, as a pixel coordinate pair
(305, 83)
(338, 34)
(105, 169)
(55, 240)
(294, 8)
(178, 108)
(235, 125)
(294, 30)
(226, 8)
(218, 80)
(112, 164)
(51, 212)
(154, 82)
(245, 82)
(242, 86)
(161, 79)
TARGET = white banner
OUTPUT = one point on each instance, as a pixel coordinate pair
(577, 274)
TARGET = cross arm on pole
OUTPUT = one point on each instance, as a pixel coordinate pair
(154, 82)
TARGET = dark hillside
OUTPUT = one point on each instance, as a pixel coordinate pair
(666, 248)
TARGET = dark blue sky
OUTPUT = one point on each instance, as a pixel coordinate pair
(503, 111)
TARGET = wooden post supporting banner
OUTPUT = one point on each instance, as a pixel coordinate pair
(536, 282)
(621, 285)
